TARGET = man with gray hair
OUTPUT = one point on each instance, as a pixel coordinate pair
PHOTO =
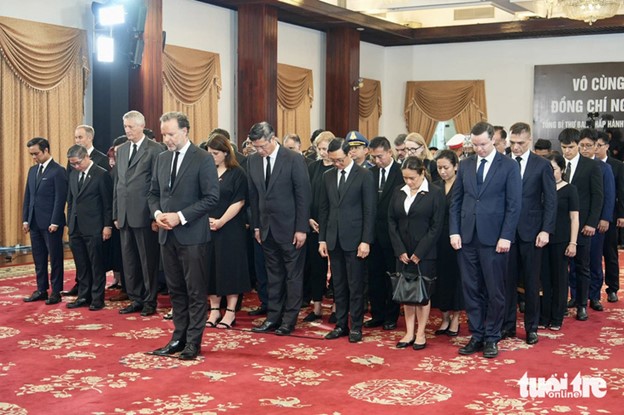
(131, 215)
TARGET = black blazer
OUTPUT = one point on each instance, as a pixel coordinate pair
(618, 173)
(418, 231)
(90, 209)
(349, 219)
(588, 181)
(45, 198)
(283, 207)
(394, 179)
(539, 199)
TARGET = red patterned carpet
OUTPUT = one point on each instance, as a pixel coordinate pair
(59, 361)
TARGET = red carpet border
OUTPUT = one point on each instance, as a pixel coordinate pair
(57, 361)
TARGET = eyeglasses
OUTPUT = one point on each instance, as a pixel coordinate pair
(601, 145)
(587, 145)
(413, 150)
(261, 146)
(337, 161)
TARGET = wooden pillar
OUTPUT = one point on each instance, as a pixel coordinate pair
(342, 72)
(257, 67)
(146, 86)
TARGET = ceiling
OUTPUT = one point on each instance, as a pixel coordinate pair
(414, 22)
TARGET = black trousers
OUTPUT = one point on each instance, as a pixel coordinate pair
(525, 264)
(554, 278)
(380, 262)
(89, 259)
(348, 273)
(284, 265)
(579, 273)
(140, 257)
(612, 262)
(186, 271)
(315, 275)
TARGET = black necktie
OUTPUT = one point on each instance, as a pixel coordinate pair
(267, 176)
(568, 173)
(81, 180)
(40, 172)
(341, 183)
(382, 182)
(174, 169)
(519, 160)
(133, 153)
(480, 171)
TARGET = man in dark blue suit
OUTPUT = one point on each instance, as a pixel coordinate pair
(537, 221)
(484, 213)
(43, 215)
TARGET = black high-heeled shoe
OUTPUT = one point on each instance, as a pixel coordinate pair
(403, 345)
(451, 333)
(213, 324)
(223, 325)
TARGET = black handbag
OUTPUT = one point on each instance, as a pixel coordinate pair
(411, 288)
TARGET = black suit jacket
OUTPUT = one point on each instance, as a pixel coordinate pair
(45, 198)
(394, 179)
(417, 232)
(195, 193)
(90, 208)
(588, 181)
(618, 173)
(539, 199)
(348, 220)
(284, 207)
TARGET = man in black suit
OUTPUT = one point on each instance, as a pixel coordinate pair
(484, 213)
(585, 174)
(131, 215)
(43, 215)
(279, 197)
(83, 135)
(89, 216)
(386, 176)
(184, 189)
(346, 231)
(537, 222)
(610, 251)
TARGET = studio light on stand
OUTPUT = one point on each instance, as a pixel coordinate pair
(105, 46)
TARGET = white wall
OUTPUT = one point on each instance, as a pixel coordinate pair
(305, 48)
(506, 66)
(69, 13)
(201, 26)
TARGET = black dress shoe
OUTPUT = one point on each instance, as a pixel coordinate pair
(389, 325)
(532, 338)
(132, 308)
(595, 305)
(507, 334)
(260, 311)
(168, 316)
(336, 332)
(332, 318)
(37, 296)
(473, 346)
(572, 303)
(581, 313)
(490, 350)
(355, 336)
(148, 311)
(373, 323)
(417, 346)
(403, 345)
(312, 317)
(284, 330)
(440, 332)
(612, 297)
(452, 333)
(80, 302)
(72, 292)
(96, 306)
(190, 352)
(265, 327)
(172, 347)
(55, 298)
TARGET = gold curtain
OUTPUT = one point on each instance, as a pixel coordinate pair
(295, 93)
(370, 108)
(192, 85)
(43, 76)
(428, 102)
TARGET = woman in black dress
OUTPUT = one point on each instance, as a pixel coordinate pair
(415, 216)
(562, 246)
(229, 274)
(448, 295)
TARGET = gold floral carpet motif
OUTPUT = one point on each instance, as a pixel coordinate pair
(59, 361)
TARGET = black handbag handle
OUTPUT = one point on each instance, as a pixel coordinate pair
(417, 268)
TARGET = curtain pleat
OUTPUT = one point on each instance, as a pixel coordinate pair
(43, 72)
(295, 93)
(192, 85)
(429, 102)
(369, 107)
